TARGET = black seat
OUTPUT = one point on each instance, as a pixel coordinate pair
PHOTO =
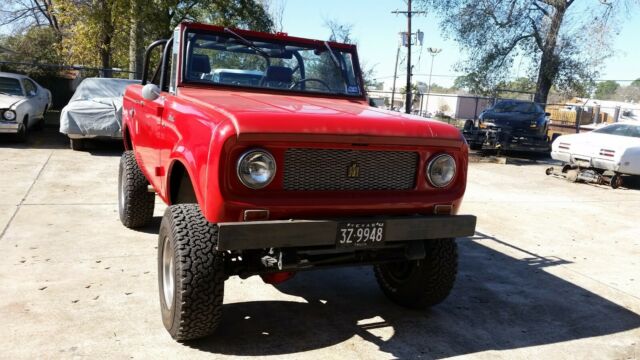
(278, 76)
(199, 65)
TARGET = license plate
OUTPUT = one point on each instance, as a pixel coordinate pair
(359, 234)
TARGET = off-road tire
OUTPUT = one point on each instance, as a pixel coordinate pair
(76, 144)
(198, 286)
(424, 283)
(135, 202)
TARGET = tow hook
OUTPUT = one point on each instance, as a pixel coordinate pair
(272, 260)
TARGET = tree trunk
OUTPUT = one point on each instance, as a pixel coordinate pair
(106, 37)
(549, 59)
(136, 49)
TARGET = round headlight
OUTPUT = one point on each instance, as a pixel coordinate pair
(9, 115)
(256, 169)
(441, 170)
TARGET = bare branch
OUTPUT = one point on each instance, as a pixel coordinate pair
(543, 10)
(536, 34)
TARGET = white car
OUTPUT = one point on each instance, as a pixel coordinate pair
(23, 103)
(614, 147)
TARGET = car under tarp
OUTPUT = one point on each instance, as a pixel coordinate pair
(95, 109)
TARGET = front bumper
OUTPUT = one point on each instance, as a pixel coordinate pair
(586, 161)
(9, 127)
(308, 233)
(490, 139)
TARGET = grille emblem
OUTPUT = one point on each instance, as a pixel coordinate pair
(354, 170)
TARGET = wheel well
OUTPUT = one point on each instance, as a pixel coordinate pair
(180, 187)
(127, 139)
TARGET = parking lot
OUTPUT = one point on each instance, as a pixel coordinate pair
(552, 272)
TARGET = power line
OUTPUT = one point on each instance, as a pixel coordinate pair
(508, 77)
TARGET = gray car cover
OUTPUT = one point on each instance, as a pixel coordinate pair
(95, 109)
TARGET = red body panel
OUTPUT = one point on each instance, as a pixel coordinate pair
(206, 129)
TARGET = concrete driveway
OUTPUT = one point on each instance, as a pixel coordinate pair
(553, 272)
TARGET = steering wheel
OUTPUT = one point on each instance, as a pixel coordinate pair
(301, 81)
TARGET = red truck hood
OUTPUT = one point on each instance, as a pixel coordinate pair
(259, 114)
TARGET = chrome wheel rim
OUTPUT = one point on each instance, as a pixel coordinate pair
(167, 273)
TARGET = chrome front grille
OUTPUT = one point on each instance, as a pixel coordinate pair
(335, 170)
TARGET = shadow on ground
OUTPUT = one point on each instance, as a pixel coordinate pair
(498, 303)
(49, 137)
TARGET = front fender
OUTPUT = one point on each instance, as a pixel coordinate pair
(203, 166)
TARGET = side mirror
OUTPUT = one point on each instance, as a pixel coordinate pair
(32, 93)
(150, 92)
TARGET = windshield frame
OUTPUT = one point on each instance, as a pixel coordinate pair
(278, 38)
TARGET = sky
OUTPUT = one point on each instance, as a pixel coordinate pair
(376, 30)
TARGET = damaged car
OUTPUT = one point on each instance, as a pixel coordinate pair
(23, 104)
(510, 125)
(602, 156)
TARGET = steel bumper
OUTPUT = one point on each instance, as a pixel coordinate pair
(9, 127)
(306, 233)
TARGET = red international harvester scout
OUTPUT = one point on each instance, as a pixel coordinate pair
(271, 162)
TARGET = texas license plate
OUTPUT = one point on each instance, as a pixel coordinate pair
(359, 234)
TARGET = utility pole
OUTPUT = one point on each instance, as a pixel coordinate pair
(395, 75)
(409, 14)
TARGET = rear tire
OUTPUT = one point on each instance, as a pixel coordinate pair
(135, 202)
(76, 144)
(419, 284)
(190, 273)
(616, 181)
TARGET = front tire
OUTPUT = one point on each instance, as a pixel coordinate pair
(135, 202)
(190, 273)
(419, 284)
(23, 131)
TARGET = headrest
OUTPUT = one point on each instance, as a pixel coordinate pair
(200, 63)
(279, 73)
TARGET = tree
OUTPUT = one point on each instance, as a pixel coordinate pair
(472, 83)
(36, 45)
(22, 15)
(276, 8)
(629, 93)
(114, 33)
(558, 49)
(606, 90)
(636, 83)
(340, 32)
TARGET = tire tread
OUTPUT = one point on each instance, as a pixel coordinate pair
(137, 210)
(432, 280)
(200, 275)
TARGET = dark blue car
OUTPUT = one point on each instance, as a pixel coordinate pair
(510, 125)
